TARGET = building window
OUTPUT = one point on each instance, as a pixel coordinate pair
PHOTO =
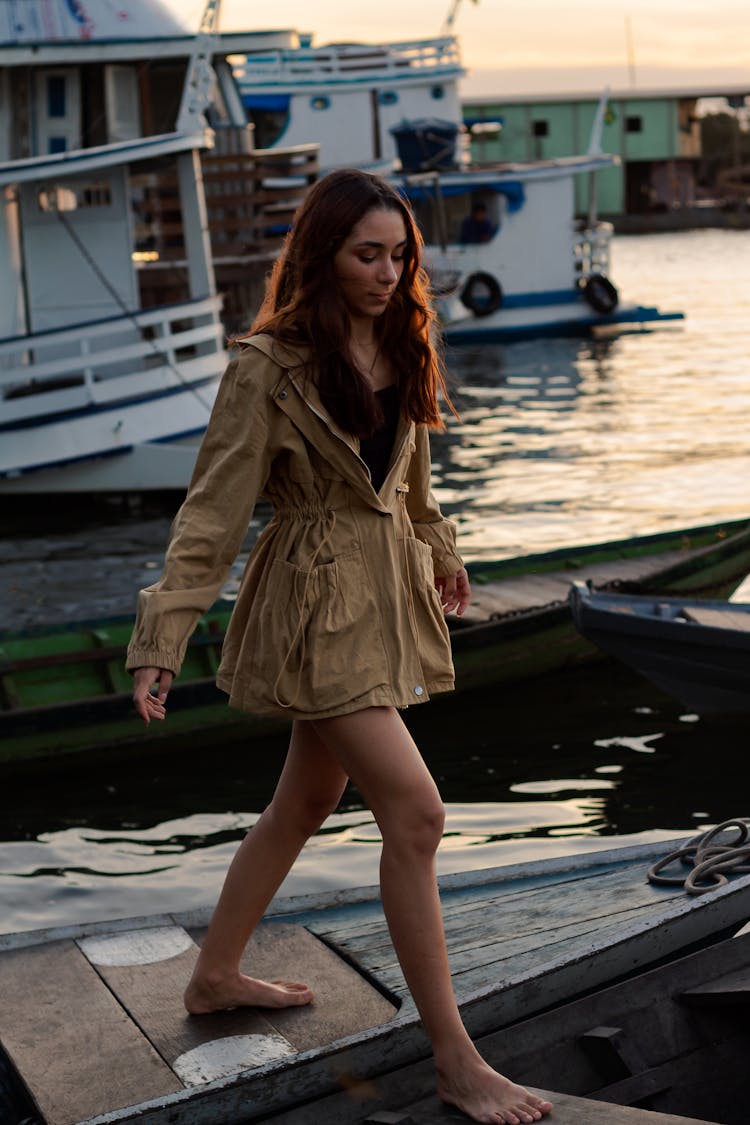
(74, 197)
(633, 124)
(437, 93)
(56, 95)
(540, 128)
(321, 102)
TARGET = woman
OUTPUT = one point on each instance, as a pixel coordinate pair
(339, 621)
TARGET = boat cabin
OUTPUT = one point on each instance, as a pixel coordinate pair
(111, 337)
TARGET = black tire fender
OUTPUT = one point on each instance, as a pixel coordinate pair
(600, 293)
(482, 294)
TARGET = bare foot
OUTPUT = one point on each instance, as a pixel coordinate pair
(485, 1096)
(203, 995)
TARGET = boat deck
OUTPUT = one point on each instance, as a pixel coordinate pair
(527, 592)
(568, 1110)
(93, 1022)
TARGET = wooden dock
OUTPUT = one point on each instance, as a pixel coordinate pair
(91, 1017)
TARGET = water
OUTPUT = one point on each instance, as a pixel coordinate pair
(559, 442)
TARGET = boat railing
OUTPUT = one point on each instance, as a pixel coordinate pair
(105, 361)
(343, 61)
(592, 249)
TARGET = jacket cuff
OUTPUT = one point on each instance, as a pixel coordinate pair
(444, 565)
(152, 658)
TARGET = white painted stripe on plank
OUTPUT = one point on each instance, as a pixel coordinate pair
(220, 1058)
(136, 947)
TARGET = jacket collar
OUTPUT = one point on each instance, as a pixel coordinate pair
(297, 396)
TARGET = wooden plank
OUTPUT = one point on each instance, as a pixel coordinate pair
(203, 1048)
(345, 1002)
(718, 618)
(731, 989)
(75, 1047)
(198, 1048)
(568, 1110)
(532, 591)
(522, 921)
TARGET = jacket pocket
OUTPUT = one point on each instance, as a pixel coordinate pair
(433, 638)
(317, 635)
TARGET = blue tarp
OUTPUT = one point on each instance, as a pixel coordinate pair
(511, 189)
(267, 101)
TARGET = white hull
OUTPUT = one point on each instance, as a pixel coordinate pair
(119, 408)
(148, 467)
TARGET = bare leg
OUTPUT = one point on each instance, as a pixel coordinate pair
(309, 789)
(377, 752)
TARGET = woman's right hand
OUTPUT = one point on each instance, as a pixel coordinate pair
(147, 704)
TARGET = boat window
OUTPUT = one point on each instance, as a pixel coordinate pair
(633, 124)
(74, 197)
(437, 93)
(321, 102)
(388, 97)
(56, 95)
(269, 116)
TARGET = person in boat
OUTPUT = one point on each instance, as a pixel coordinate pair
(477, 227)
(340, 618)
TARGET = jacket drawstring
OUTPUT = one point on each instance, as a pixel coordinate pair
(402, 489)
(300, 630)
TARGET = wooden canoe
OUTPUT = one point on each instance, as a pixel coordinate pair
(92, 1028)
(65, 690)
(695, 649)
(673, 1040)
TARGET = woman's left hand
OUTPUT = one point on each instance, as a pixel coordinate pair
(455, 591)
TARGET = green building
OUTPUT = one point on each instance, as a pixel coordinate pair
(656, 135)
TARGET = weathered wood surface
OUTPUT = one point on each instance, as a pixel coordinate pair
(640, 1040)
(568, 1111)
(732, 989)
(99, 1025)
(534, 591)
(70, 1039)
(500, 936)
(623, 925)
(718, 618)
(345, 1003)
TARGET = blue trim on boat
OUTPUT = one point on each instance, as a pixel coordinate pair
(15, 474)
(319, 82)
(486, 334)
(103, 408)
(539, 300)
(130, 318)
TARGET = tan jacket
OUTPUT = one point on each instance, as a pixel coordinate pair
(337, 608)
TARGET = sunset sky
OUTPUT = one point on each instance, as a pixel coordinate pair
(536, 44)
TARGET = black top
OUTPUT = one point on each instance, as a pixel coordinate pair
(376, 450)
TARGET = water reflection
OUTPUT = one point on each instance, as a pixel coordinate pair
(568, 763)
(559, 442)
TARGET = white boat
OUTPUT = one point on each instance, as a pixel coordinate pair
(107, 376)
(394, 108)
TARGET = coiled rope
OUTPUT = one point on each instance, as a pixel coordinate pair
(710, 857)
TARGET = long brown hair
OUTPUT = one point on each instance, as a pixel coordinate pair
(303, 303)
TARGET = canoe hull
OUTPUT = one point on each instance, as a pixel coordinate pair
(705, 667)
(522, 939)
(65, 691)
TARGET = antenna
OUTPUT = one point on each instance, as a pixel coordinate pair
(450, 19)
(630, 50)
(196, 93)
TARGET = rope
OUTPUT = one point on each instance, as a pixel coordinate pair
(709, 858)
(116, 297)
